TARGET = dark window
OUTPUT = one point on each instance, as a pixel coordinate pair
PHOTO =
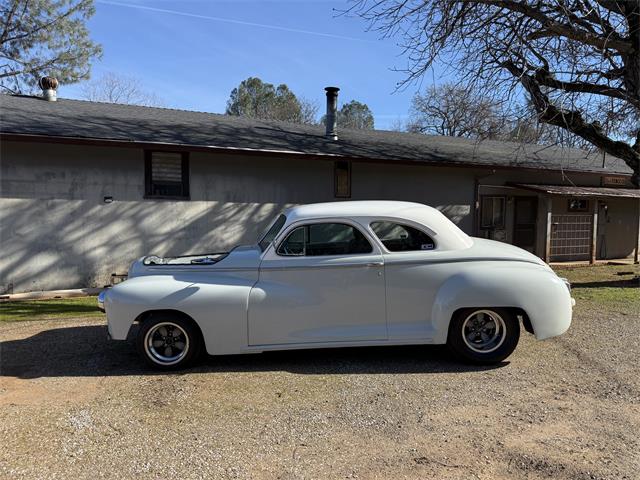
(578, 205)
(342, 174)
(272, 232)
(492, 212)
(325, 239)
(401, 238)
(295, 242)
(166, 175)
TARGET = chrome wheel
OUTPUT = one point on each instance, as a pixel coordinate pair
(483, 331)
(166, 343)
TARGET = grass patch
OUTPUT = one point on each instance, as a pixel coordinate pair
(47, 309)
(615, 287)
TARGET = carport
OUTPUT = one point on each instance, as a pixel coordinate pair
(589, 223)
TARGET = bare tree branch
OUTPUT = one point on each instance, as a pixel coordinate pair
(114, 88)
(577, 60)
(573, 120)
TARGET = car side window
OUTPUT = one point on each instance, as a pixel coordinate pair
(294, 243)
(401, 238)
(319, 239)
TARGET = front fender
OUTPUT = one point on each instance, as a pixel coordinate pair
(533, 288)
(216, 302)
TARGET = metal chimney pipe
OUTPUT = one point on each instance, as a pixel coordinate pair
(331, 118)
(49, 85)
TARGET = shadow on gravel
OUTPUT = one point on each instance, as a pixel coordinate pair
(628, 283)
(85, 351)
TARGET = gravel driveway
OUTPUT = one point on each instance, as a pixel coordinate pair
(73, 405)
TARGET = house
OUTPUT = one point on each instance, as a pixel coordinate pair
(88, 187)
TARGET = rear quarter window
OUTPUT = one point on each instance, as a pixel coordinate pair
(397, 237)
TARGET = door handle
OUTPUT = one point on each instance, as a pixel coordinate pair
(375, 264)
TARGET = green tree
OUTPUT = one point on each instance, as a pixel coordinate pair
(256, 99)
(44, 37)
(354, 115)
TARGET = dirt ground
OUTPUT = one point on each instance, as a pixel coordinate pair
(73, 405)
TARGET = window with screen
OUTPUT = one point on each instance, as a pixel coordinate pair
(578, 205)
(325, 239)
(166, 175)
(402, 238)
(342, 174)
(492, 212)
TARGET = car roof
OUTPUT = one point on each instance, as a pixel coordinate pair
(361, 208)
(446, 233)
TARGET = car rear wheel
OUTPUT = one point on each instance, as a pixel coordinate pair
(483, 335)
(168, 343)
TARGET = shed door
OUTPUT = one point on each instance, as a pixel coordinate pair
(524, 224)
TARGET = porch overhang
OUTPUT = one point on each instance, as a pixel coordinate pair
(596, 192)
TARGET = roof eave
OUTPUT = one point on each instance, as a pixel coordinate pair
(167, 146)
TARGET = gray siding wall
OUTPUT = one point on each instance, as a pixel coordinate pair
(56, 231)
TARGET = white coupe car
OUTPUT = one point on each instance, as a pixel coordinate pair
(341, 274)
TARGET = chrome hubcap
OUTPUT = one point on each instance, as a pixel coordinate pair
(483, 331)
(166, 343)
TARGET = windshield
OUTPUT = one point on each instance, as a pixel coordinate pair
(268, 237)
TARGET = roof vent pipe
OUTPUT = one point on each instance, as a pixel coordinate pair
(49, 85)
(331, 118)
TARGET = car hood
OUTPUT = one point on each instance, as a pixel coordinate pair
(244, 257)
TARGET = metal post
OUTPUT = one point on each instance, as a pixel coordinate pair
(594, 233)
(636, 254)
(547, 247)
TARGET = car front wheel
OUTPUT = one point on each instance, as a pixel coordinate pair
(168, 343)
(484, 335)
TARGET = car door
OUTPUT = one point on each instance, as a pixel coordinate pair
(322, 283)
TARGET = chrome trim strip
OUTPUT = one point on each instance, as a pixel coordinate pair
(389, 261)
(200, 268)
(333, 265)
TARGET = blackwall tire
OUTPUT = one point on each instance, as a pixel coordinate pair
(484, 335)
(167, 342)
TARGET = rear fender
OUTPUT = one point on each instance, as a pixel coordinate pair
(537, 291)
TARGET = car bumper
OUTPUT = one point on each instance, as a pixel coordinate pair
(567, 284)
(101, 296)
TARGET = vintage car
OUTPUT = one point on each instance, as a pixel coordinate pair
(341, 274)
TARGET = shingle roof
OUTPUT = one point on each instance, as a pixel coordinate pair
(25, 115)
(582, 191)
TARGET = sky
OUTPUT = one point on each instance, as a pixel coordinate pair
(192, 53)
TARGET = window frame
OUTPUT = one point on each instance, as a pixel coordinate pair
(504, 212)
(268, 230)
(578, 199)
(402, 223)
(293, 227)
(148, 181)
(335, 179)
